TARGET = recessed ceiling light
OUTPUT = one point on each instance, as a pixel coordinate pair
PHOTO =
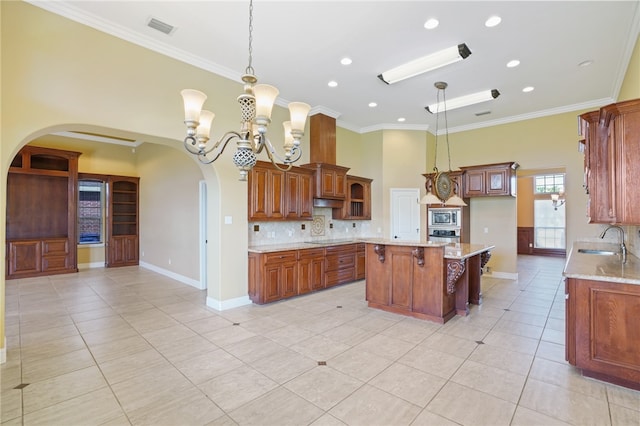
(585, 63)
(528, 89)
(372, 104)
(332, 83)
(346, 61)
(513, 63)
(493, 21)
(431, 23)
(401, 119)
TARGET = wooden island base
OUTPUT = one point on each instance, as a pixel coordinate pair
(429, 281)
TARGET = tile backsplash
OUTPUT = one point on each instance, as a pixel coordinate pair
(322, 227)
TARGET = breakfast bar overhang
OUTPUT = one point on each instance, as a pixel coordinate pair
(432, 281)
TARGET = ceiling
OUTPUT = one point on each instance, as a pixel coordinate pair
(298, 45)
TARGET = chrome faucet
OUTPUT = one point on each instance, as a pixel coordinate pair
(623, 248)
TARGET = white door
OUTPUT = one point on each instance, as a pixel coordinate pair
(405, 214)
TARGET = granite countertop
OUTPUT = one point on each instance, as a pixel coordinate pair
(601, 267)
(451, 250)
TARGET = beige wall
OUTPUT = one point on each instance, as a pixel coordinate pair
(631, 86)
(525, 201)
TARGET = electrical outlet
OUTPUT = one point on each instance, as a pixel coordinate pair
(256, 228)
(331, 226)
(303, 226)
(354, 224)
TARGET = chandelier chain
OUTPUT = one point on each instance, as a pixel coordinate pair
(441, 88)
(250, 69)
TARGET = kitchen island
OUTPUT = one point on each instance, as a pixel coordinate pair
(602, 297)
(427, 280)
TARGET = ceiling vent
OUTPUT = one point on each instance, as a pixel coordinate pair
(478, 114)
(163, 27)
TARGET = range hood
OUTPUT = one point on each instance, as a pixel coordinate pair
(322, 153)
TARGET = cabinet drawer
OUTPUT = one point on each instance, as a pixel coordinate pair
(55, 247)
(308, 253)
(282, 256)
(340, 276)
(340, 261)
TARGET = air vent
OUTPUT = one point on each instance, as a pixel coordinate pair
(478, 114)
(161, 26)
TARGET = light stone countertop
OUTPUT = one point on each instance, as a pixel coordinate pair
(451, 250)
(601, 267)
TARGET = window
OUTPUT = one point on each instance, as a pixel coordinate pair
(90, 212)
(549, 221)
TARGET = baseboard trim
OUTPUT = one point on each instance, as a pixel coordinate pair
(223, 305)
(173, 275)
(505, 275)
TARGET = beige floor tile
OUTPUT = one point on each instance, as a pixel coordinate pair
(519, 329)
(567, 376)
(531, 319)
(237, 387)
(512, 342)
(449, 344)
(10, 374)
(467, 406)
(208, 365)
(563, 404)
(553, 336)
(109, 334)
(433, 362)
(149, 320)
(427, 418)
(45, 323)
(139, 363)
(348, 334)
(386, 346)
(371, 406)
(504, 359)
(209, 324)
(270, 410)
(118, 348)
(624, 397)
(45, 368)
(359, 364)
(226, 336)
(289, 335)
(222, 421)
(551, 351)
(527, 417)
(494, 381)
(190, 407)
(10, 405)
(52, 391)
(320, 348)
(323, 386)
(93, 314)
(41, 350)
(283, 365)
(254, 348)
(151, 389)
(185, 349)
(622, 416)
(93, 408)
(409, 384)
(169, 334)
(373, 322)
(412, 330)
(327, 420)
(48, 335)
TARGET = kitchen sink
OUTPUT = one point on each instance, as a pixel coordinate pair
(600, 252)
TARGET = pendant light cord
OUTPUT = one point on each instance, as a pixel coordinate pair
(250, 69)
(441, 88)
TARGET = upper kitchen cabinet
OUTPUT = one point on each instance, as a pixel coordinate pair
(357, 205)
(490, 180)
(612, 153)
(330, 181)
(278, 195)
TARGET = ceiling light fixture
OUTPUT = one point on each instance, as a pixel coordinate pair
(346, 61)
(463, 101)
(427, 63)
(256, 104)
(513, 63)
(528, 89)
(445, 189)
(493, 21)
(431, 23)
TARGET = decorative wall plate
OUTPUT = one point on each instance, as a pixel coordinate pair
(443, 185)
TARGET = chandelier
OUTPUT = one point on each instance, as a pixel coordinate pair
(445, 189)
(256, 104)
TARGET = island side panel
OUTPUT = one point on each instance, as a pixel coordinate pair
(378, 281)
(430, 296)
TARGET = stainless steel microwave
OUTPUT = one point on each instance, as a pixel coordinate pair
(449, 217)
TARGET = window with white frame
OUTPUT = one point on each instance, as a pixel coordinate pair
(90, 212)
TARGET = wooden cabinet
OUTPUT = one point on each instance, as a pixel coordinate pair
(122, 221)
(278, 275)
(330, 181)
(357, 205)
(277, 195)
(601, 335)
(340, 264)
(410, 281)
(42, 192)
(612, 152)
(490, 180)
(361, 261)
(311, 270)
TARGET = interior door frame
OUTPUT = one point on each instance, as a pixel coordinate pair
(413, 193)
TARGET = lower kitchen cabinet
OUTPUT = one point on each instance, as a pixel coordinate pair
(282, 274)
(601, 336)
(361, 261)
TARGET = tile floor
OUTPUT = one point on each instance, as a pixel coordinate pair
(128, 346)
